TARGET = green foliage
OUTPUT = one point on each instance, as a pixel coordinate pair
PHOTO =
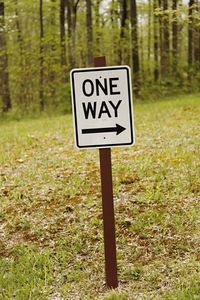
(198, 80)
(23, 49)
(64, 99)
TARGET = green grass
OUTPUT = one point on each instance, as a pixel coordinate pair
(27, 274)
(51, 243)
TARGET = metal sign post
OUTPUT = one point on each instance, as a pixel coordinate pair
(102, 114)
(108, 207)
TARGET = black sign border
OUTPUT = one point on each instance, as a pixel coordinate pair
(75, 111)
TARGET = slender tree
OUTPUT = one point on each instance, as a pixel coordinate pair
(196, 36)
(166, 60)
(156, 39)
(62, 35)
(115, 38)
(135, 50)
(97, 27)
(72, 7)
(74, 19)
(142, 63)
(21, 93)
(190, 33)
(149, 36)
(199, 32)
(52, 12)
(54, 61)
(69, 32)
(41, 88)
(89, 33)
(19, 31)
(161, 38)
(174, 37)
(123, 28)
(4, 76)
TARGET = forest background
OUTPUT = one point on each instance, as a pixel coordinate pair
(51, 227)
(41, 41)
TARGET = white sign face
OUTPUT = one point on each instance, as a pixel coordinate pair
(102, 107)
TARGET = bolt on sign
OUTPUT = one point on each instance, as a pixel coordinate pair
(102, 107)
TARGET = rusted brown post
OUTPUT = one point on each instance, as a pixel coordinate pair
(108, 207)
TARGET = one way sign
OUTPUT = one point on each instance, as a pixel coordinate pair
(102, 107)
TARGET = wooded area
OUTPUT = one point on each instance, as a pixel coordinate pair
(41, 41)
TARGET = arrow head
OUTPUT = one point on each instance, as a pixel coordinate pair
(119, 129)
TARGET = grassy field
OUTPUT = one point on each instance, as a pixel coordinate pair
(51, 243)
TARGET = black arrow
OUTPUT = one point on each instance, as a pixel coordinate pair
(118, 129)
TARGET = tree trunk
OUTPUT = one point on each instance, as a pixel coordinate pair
(52, 74)
(161, 37)
(199, 34)
(97, 26)
(196, 37)
(135, 51)
(122, 31)
(69, 32)
(74, 16)
(62, 35)
(71, 25)
(21, 95)
(89, 33)
(142, 64)
(149, 38)
(174, 37)
(166, 61)
(19, 32)
(52, 13)
(41, 89)
(114, 19)
(156, 40)
(4, 77)
(190, 34)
